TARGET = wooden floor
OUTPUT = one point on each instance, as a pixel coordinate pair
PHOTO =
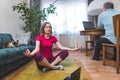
(91, 70)
(96, 69)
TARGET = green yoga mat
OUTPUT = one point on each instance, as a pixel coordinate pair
(32, 73)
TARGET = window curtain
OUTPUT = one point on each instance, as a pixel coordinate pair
(68, 21)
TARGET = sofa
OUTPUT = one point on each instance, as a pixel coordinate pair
(12, 58)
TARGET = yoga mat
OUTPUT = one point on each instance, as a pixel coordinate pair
(32, 73)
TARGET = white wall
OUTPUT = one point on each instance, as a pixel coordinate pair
(9, 20)
(116, 4)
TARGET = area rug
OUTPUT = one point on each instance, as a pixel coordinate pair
(32, 73)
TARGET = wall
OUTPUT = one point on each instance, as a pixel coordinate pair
(116, 4)
(9, 20)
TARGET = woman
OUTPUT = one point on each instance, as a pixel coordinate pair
(43, 50)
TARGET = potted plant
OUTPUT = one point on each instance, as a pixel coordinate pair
(32, 16)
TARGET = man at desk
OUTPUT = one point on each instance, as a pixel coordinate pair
(105, 21)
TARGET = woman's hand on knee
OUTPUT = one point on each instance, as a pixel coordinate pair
(77, 47)
(27, 53)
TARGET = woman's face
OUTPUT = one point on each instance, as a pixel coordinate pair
(47, 29)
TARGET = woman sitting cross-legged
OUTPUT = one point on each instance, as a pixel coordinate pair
(44, 57)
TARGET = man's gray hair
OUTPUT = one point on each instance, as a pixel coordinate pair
(108, 5)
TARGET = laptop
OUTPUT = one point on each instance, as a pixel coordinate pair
(88, 25)
(75, 75)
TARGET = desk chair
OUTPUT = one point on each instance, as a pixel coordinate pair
(116, 24)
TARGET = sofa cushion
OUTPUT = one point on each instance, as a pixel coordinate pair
(9, 55)
(3, 56)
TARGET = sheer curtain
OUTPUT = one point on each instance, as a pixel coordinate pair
(68, 21)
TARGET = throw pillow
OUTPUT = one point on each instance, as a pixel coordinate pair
(23, 38)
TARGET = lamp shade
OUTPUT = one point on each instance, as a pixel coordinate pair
(95, 7)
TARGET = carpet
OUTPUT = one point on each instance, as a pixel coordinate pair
(32, 73)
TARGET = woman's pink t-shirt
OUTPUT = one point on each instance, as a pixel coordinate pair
(46, 45)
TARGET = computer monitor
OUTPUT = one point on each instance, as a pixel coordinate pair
(75, 75)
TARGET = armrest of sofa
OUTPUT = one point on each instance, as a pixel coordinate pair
(4, 38)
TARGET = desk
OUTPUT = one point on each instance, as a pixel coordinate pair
(94, 33)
